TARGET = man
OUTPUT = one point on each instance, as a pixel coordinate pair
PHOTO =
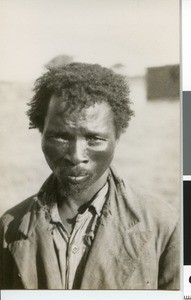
(84, 229)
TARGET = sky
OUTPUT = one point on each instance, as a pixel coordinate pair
(135, 33)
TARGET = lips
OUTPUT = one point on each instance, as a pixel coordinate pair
(77, 179)
(75, 172)
(76, 175)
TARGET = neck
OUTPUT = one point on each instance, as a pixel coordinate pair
(69, 201)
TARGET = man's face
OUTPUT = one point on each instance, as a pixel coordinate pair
(78, 145)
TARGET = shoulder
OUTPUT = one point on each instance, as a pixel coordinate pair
(11, 219)
(19, 209)
(153, 213)
(157, 207)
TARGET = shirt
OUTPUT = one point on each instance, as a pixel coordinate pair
(72, 249)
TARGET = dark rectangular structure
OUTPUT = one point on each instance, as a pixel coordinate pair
(186, 133)
(187, 222)
(163, 82)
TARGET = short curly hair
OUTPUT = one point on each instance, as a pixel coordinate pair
(81, 85)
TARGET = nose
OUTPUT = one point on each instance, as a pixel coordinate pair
(77, 152)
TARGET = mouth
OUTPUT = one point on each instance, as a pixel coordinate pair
(77, 178)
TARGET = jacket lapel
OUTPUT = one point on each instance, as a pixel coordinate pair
(34, 253)
(118, 243)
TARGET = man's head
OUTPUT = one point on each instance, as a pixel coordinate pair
(81, 110)
(81, 85)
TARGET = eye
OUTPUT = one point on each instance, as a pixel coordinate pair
(95, 140)
(59, 137)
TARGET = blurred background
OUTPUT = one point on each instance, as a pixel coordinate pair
(139, 39)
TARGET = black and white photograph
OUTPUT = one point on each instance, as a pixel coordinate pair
(90, 145)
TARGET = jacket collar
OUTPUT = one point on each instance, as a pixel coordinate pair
(120, 201)
(40, 206)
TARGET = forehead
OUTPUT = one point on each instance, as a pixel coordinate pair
(98, 114)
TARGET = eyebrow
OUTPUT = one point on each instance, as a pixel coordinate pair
(87, 132)
(90, 132)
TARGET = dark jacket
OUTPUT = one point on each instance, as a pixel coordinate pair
(136, 245)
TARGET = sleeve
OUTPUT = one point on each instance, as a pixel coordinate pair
(169, 265)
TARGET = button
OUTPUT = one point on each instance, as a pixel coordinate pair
(74, 249)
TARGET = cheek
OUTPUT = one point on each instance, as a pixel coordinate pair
(53, 151)
(102, 157)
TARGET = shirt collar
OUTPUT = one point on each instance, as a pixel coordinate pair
(99, 199)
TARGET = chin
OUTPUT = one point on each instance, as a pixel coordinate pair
(73, 189)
